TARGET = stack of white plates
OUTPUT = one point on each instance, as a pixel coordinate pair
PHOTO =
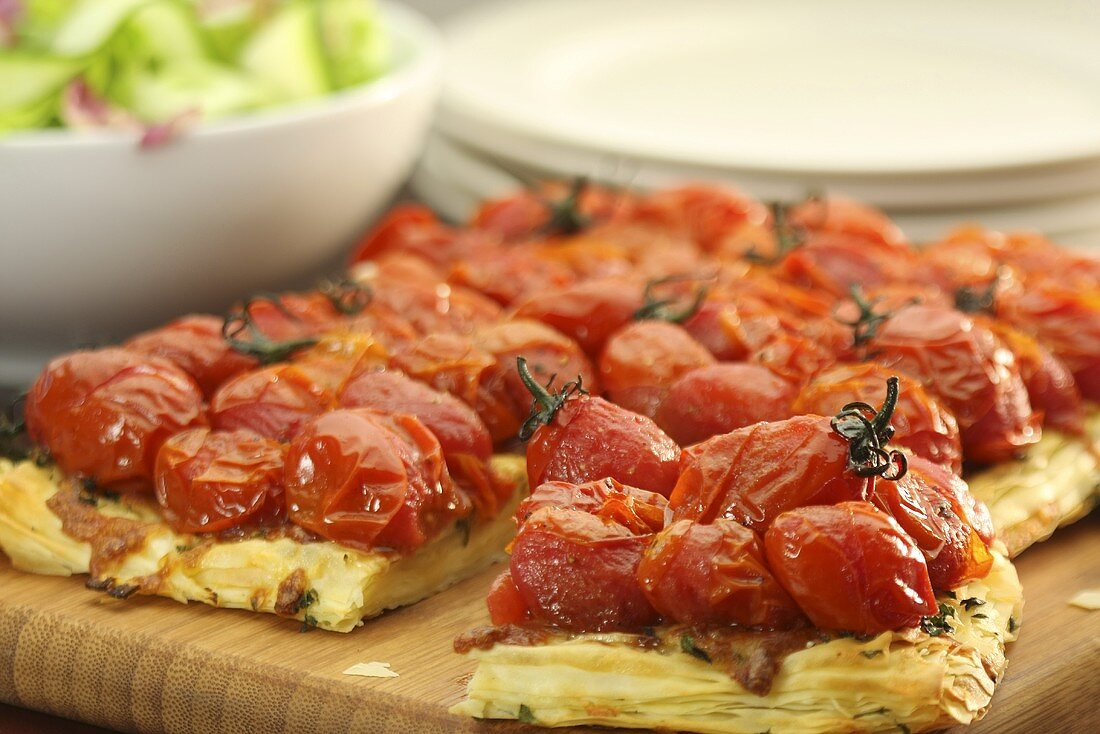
(938, 111)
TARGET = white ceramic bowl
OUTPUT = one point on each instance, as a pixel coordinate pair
(99, 239)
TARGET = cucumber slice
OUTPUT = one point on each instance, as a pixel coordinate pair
(227, 28)
(356, 49)
(214, 90)
(91, 25)
(167, 31)
(286, 53)
(26, 79)
(30, 117)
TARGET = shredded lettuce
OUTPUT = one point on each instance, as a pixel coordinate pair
(155, 62)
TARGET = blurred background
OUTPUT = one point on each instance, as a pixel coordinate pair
(156, 161)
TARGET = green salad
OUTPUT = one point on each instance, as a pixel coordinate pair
(152, 65)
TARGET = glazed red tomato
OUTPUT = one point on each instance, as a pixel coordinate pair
(508, 273)
(732, 330)
(641, 361)
(588, 312)
(714, 574)
(639, 511)
(921, 424)
(1066, 321)
(720, 398)
(967, 368)
(707, 214)
(293, 316)
(753, 474)
(273, 402)
(553, 358)
(532, 211)
(842, 216)
(850, 567)
(104, 414)
(407, 228)
(928, 503)
(505, 603)
(369, 480)
(1051, 388)
(195, 345)
(795, 358)
(454, 423)
(578, 572)
(434, 306)
(588, 438)
(209, 481)
(332, 361)
(833, 263)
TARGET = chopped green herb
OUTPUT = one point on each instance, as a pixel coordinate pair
(463, 526)
(87, 500)
(182, 548)
(971, 602)
(951, 594)
(306, 600)
(937, 624)
(979, 615)
(687, 644)
(309, 622)
(1013, 625)
(870, 653)
(525, 715)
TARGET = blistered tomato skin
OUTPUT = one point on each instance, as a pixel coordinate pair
(921, 424)
(195, 344)
(589, 312)
(714, 574)
(274, 402)
(753, 474)
(850, 567)
(209, 481)
(505, 604)
(970, 371)
(590, 438)
(454, 423)
(578, 572)
(637, 510)
(641, 361)
(935, 508)
(370, 480)
(721, 398)
(104, 414)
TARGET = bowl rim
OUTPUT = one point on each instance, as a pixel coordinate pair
(424, 65)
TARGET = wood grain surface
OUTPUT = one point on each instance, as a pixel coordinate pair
(152, 665)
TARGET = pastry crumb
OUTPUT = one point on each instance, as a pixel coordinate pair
(372, 669)
(1088, 599)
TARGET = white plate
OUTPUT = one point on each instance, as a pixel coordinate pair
(850, 86)
(453, 178)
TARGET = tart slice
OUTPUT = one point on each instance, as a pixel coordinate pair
(801, 577)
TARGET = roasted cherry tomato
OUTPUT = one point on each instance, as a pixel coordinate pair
(641, 361)
(369, 480)
(453, 422)
(509, 273)
(273, 402)
(434, 306)
(553, 358)
(1051, 388)
(209, 481)
(795, 358)
(553, 209)
(579, 438)
(505, 603)
(714, 574)
(833, 263)
(1067, 321)
(578, 572)
(930, 503)
(588, 312)
(850, 567)
(707, 214)
(969, 370)
(753, 474)
(732, 330)
(921, 424)
(639, 511)
(841, 216)
(720, 398)
(292, 316)
(195, 345)
(407, 228)
(104, 414)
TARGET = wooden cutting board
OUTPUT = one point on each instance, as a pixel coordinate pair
(151, 665)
